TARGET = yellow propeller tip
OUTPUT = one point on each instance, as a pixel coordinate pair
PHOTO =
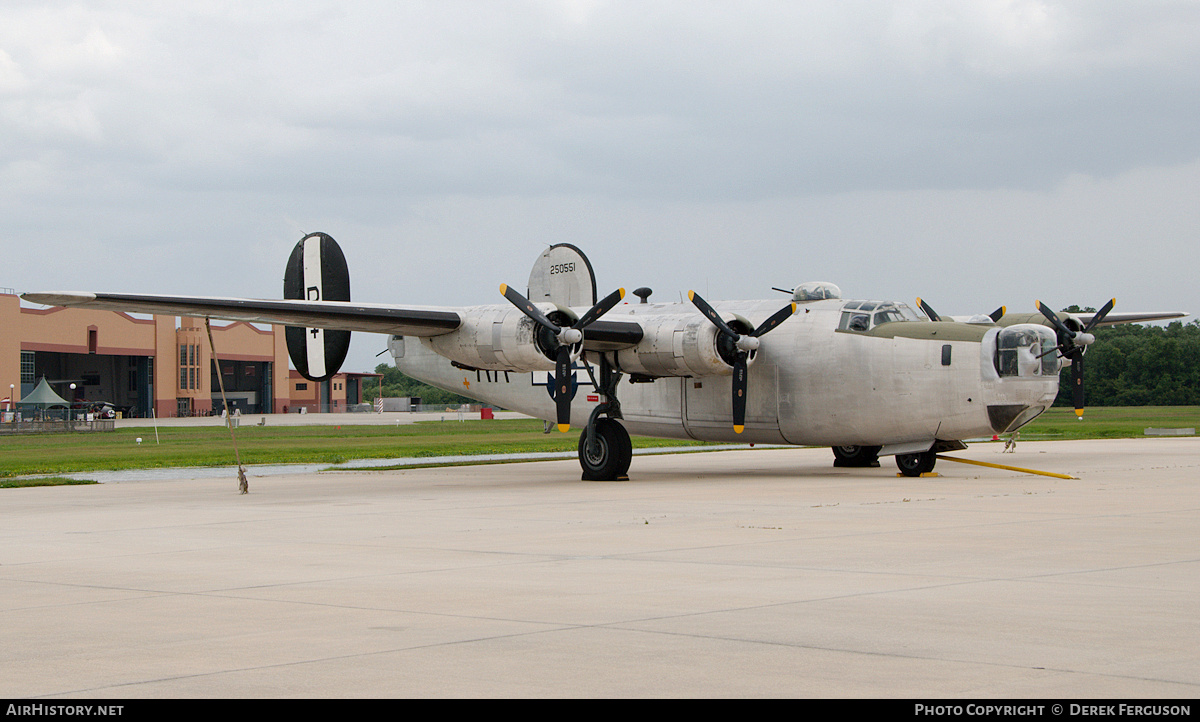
(738, 429)
(564, 428)
(1079, 413)
(503, 288)
(691, 295)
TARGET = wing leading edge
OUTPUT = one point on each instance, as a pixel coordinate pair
(1116, 318)
(337, 315)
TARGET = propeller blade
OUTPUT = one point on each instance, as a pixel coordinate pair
(530, 310)
(712, 315)
(1054, 319)
(933, 315)
(1100, 315)
(1072, 345)
(776, 318)
(997, 314)
(595, 312)
(745, 345)
(740, 382)
(562, 388)
(1077, 384)
(566, 338)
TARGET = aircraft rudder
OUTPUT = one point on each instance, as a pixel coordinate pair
(317, 271)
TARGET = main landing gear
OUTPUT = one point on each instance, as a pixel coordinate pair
(856, 456)
(605, 450)
(607, 457)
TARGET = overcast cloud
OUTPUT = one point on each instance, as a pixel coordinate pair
(975, 153)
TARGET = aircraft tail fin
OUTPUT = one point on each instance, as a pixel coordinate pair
(317, 271)
(562, 275)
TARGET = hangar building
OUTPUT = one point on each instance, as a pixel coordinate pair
(142, 363)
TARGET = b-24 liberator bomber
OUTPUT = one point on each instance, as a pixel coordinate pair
(867, 378)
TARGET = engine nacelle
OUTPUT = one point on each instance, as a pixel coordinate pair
(494, 339)
(683, 345)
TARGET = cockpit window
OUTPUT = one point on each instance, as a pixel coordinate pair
(887, 315)
(862, 316)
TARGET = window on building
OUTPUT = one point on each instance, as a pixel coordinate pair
(189, 366)
(27, 367)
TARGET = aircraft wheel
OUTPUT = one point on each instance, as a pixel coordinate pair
(856, 456)
(916, 464)
(611, 459)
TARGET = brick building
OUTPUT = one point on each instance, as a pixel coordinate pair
(142, 363)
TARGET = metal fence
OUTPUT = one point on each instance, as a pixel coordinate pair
(55, 426)
(368, 408)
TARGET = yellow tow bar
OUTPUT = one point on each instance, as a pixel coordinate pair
(1007, 468)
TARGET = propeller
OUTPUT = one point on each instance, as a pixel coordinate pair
(933, 315)
(740, 346)
(566, 337)
(1072, 344)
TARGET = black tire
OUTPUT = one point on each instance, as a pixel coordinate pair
(916, 464)
(856, 456)
(611, 462)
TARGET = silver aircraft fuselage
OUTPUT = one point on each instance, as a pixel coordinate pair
(817, 379)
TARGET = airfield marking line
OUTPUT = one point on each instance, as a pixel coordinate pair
(1008, 468)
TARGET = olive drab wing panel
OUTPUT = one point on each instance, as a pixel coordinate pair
(562, 275)
(317, 271)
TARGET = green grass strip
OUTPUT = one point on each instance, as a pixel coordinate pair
(62, 453)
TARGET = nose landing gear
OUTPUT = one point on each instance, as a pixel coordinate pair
(916, 464)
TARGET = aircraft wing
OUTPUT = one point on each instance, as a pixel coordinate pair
(603, 335)
(333, 315)
(1116, 318)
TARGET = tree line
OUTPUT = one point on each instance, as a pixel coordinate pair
(1133, 365)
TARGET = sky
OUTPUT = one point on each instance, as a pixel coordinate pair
(972, 153)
